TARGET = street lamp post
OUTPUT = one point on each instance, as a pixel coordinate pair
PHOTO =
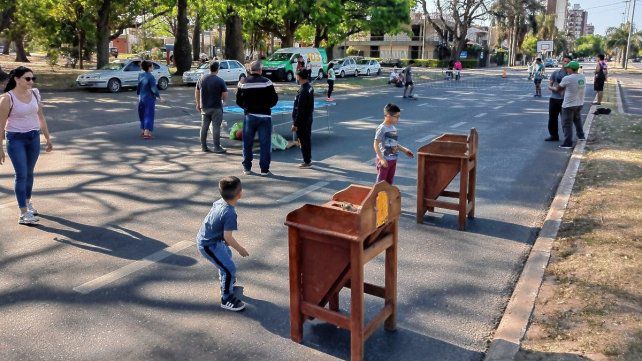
(628, 40)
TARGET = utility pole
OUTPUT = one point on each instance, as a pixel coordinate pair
(628, 41)
(423, 39)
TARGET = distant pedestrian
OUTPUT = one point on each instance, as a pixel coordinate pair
(302, 116)
(601, 73)
(147, 93)
(256, 95)
(409, 84)
(210, 94)
(215, 238)
(386, 145)
(22, 120)
(458, 67)
(573, 85)
(555, 101)
(300, 64)
(332, 77)
(538, 75)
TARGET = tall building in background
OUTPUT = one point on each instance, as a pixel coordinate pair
(590, 29)
(559, 9)
(576, 21)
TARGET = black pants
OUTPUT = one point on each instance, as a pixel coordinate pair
(554, 110)
(572, 116)
(330, 88)
(304, 133)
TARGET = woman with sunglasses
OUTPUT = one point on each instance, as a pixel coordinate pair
(21, 122)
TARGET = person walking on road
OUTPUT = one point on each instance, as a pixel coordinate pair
(256, 95)
(302, 116)
(386, 144)
(601, 73)
(147, 93)
(538, 75)
(22, 120)
(573, 85)
(210, 94)
(555, 102)
(410, 85)
(332, 77)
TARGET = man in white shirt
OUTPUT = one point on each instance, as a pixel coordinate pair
(573, 85)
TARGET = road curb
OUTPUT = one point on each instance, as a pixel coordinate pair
(618, 97)
(514, 322)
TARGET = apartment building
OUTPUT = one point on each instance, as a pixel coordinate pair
(576, 21)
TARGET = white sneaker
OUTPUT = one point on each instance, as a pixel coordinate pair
(28, 218)
(31, 209)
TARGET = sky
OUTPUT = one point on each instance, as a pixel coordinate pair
(606, 13)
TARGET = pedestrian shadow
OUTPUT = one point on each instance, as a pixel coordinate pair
(402, 344)
(113, 240)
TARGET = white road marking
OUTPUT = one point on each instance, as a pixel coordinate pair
(110, 277)
(422, 104)
(498, 107)
(510, 102)
(456, 125)
(480, 115)
(302, 192)
(421, 140)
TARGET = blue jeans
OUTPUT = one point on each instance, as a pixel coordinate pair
(263, 125)
(146, 113)
(23, 150)
(220, 254)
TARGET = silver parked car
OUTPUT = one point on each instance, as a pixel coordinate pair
(368, 67)
(344, 67)
(231, 71)
(122, 73)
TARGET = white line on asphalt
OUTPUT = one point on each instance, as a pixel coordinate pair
(498, 107)
(456, 125)
(302, 192)
(110, 277)
(423, 104)
(421, 140)
(510, 102)
(480, 115)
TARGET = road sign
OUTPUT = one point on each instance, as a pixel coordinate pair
(544, 46)
(463, 54)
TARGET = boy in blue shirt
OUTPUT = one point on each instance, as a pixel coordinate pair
(215, 238)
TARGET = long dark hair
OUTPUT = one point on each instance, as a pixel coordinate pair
(16, 73)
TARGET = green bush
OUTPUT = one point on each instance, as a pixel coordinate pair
(53, 56)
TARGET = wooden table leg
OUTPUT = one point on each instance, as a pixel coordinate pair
(421, 186)
(296, 293)
(463, 191)
(391, 279)
(471, 186)
(356, 302)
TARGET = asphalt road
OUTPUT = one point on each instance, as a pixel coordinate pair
(109, 200)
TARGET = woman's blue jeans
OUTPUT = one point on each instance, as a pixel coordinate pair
(146, 113)
(23, 150)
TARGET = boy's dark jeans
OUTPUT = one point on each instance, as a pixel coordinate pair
(554, 110)
(304, 133)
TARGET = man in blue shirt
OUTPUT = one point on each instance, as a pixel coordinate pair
(555, 102)
(215, 238)
(210, 93)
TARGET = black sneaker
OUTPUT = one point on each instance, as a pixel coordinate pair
(581, 139)
(566, 146)
(206, 150)
(220, 150)
(305, 165)
(233, 304)
(551, 139)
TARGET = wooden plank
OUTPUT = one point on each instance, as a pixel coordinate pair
(326, 315)
(449, 194)
(357, 312)
(377, 321)
(296, 317)
(463, 194)
(390, 290)
(371, 289)
(441, 204)
(377, 248)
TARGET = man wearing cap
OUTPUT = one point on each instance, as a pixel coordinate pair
(256, 95)
(573, 86)
(302, 116)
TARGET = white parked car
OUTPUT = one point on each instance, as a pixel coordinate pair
(122, 73)
(368, 67)
(231, 71)
(345, 67)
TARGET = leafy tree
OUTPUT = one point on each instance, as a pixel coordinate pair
(616, 40)
(515, 18)
(529, 45)
(589, 45)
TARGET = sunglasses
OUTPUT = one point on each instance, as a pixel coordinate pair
(29, 78)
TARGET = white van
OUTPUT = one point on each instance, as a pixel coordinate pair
(281, 65)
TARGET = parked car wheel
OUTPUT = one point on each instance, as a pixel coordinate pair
(289, 76)
(163, 83)
(113, 85)
(342, 74)
(379, 71)
(368, 72)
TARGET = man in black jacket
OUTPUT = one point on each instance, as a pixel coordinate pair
(302, 116)
(256, 95)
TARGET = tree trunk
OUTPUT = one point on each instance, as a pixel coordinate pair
(81, 45)
(182, 47)
(7, 44)
(196, 38)
(102, 34)
(21, 54)
(233, 36)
